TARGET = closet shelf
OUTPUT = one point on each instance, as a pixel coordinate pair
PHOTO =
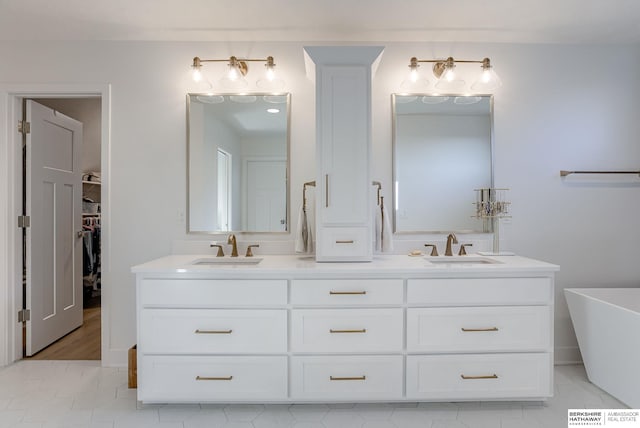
(97, 183)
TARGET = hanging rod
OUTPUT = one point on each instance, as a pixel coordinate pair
(565, 173)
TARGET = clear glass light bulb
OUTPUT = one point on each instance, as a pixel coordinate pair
(271, 74)
(450, 75)
(413, 75)
(232, 74)
(197, 74)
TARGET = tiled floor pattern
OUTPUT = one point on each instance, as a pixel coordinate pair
(75, 394)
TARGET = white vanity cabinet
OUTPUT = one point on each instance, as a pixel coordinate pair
(343, 150)
(212, 340)
(479, 338)
(347, 339)
(293, 330)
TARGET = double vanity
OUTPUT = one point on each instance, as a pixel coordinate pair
(289, 329)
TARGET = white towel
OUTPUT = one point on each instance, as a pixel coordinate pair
(304, 233)
(386, 236)
(377, 228)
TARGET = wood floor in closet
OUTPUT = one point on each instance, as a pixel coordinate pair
(81, 344)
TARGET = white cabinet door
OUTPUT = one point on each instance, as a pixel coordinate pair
(479, 376)
(347, 378)
(347, 330)
(343, 138)
(174, 378)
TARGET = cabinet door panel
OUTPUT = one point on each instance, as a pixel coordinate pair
(207, 293)
(357, 378)
(201, 379)
(346, 330)
(344, 141)
(478, 376)
(346, 292)
(184, 331)
(480, 329)
(479, 291)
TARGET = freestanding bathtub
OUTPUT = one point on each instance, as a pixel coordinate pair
(607, 325)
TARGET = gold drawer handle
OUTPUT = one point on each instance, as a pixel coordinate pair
(350, 241)
(213, 378)
(493, 376)
(364, 330)
(348, 378)
(479, 329)
(198, 331)
(338, 293)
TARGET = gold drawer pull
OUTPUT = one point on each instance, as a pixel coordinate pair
(364, 330)
(213, 378)
(338, 293)
(348, 378)
(493, 376)
(198, 331)
(479, 329)
(350, 241)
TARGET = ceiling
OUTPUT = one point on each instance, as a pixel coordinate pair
(501, 21)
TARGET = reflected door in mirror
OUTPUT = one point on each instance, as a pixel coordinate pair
(238, 162)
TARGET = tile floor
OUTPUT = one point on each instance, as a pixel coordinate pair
(74, 394)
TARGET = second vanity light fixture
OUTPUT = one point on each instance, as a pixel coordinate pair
(448, 79)
(237, 69)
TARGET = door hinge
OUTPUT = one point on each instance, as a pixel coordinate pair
(24, 127)
(24, 221)
(24, 315)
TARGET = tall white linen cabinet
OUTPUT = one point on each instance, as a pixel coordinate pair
(344, 223)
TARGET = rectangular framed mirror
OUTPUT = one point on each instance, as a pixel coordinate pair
(238, 163)
(442, 151)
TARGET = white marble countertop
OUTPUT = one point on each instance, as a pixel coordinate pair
(305, 266)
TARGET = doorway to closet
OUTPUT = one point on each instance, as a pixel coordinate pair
(75, 342)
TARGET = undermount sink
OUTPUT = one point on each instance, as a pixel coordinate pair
(460, 260)
(217, 261)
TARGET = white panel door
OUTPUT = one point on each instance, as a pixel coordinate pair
(54, 240)
(266, 195)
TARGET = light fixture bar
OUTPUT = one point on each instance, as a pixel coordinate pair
(443, 69)
(238, 64)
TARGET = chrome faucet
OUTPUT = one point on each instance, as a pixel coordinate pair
(234, 249)
(450, 239)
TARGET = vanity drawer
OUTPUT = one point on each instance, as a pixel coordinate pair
(201, 379)
(212, 292)
(476, 376)
(479, 329)
(338, 242)
(346, 292)
(189, 331)
(347, 377)
(346, 330)
(480, 291)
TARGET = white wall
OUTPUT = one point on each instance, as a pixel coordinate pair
(561, 107)
(442, 155)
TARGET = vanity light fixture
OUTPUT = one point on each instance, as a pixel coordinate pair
(237, 69)
(447, 77)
